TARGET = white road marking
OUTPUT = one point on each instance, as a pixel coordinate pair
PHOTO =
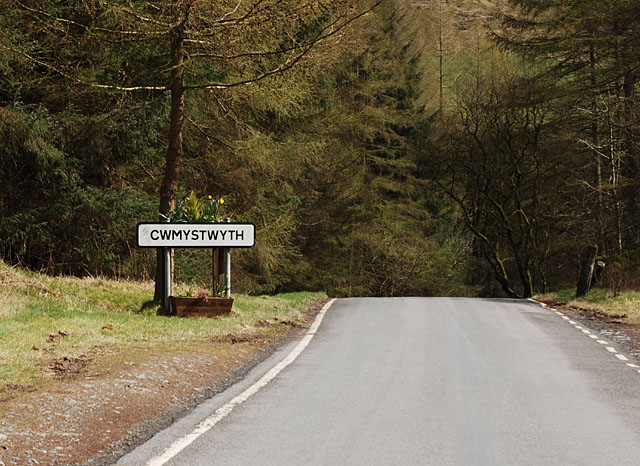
(536, 302)
(588, 332)
(220, 413)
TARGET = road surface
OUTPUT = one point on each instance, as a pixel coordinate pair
(426, 381)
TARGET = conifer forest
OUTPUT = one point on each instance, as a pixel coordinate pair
(381, 147)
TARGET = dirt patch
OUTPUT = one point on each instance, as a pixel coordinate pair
(626, 336)
(8, 392)
(54, 337)
(66, 368)
(90, 414)
(235, 339)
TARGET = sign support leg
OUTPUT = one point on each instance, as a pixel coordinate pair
(167, 275)
(167, 279)
(215, 272)
(227, 267)
(227, 272)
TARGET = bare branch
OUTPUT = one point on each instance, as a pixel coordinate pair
(280, 69)
(290, 63)
(203, 131)
(80, 81)
(143, 34)
(244, 17)
(275, 52)
(305, 49)
(232, 11)
(145, 19)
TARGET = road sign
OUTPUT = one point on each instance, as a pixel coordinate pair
(196, 235)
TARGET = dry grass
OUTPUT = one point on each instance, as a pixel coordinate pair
(622, 305)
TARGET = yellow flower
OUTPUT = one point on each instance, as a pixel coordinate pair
(221, 201)
(209, 197)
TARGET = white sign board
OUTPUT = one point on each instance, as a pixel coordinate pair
(196, 235)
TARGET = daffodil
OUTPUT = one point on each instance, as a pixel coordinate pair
(193, 209)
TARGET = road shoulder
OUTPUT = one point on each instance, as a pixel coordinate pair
(625, 336)
(96, 418)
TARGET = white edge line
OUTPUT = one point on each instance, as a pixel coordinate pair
(220, 413)
(536, 302)
(545, 305)
(540, 303)
(587, 332)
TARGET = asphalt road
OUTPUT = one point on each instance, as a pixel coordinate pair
(430, 381)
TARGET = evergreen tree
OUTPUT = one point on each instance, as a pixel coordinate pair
(591, 48)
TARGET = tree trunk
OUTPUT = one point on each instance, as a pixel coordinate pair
(629, 128)
(169, 188)
(614, 159)
(525, 278)
(586, 271)
(441, 58)
(595, 141)
(500, 273)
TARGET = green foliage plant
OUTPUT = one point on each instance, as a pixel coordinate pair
(220, 290)
(194, 210)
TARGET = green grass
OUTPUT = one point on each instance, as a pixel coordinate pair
(623, 305)
(44, 318)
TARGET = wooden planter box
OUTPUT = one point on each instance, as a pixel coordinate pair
(199, 307)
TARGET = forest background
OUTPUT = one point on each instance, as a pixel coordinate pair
(381, 148)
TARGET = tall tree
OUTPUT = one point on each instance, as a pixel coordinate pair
(591, 48)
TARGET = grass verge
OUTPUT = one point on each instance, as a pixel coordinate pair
(52, 326)
(621, 305)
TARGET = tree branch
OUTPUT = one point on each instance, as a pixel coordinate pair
(273, 52)
(280, 69)
(88, 28)
(290, 63)
(80, 81)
